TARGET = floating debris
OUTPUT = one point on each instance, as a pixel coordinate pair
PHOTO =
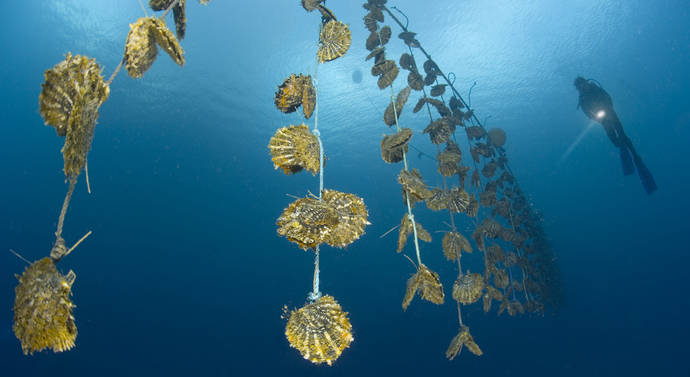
(320, 331)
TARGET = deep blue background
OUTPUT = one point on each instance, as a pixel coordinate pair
(185, 275)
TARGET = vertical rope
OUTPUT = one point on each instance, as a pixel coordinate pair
(315, 293)
(65, 205)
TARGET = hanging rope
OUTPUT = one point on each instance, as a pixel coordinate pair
(315, 294)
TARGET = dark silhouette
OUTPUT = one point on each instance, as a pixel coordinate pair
(597, 105)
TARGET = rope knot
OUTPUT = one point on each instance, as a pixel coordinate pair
(316, 132)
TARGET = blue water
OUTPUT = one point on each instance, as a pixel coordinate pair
(184, 273)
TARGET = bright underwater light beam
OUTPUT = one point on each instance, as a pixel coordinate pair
(577, 141)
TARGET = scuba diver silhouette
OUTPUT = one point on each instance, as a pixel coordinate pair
(597, 105)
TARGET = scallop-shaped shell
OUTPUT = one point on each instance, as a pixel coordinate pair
(430, 67)
(141, 50)
(437, 90)
(310, 5)
(412, 183)
(71, 94)
(415, 81)
(390, 116)
(407, 62)
(43, 309)
(501, 278)
(388, 77)
(489, 169)
(180, 16)
(307, 222)
(290, 93)
(438, 200)
(373, 41)
(406, 229)
(472, 207)
(370, 22)
(334, 41)
(494, 254)
(425, 282)
(458, 200)
(295, 148)
(475, 132)
(468, 288)
(377, 13)
(491, 228)
(382, 67)
(352, 217)
(487, 198)
(455, 103)
(394, 146)
(497, 137)
(320, 331)
(453, 244)
(385, 35)
(439, 131)
(462, 339)
(448, 163)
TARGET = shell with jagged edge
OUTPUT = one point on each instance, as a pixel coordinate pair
(425, 282)
(141, 46)
(406, 229)
(338, 220)
(453, 244)
(334, 41)
(393, 147)
(295, 148)
(468, 288)
(71, 94)
(320, 331)
(463, 338)
(43, 309)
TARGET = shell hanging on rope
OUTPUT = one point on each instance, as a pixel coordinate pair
(338, 220)
(310, 5)
(141, 49)
(295, 148)
(415, 81)
(437, 90)
(320, 331)
(468, 288)
(440, 130)
(407, 62)
(71, 94)
(179, 13)
(453, 244)
(413, 185)
(393, 147)
(334, 41)
(388, 77)
(448, 162)
(296, 90)
(425, 282)
(43, 309)
(390, 116)
(406, 230)
(462, 339)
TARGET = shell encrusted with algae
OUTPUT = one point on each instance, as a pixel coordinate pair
(320, 331)
(71, 94)
(141, 46)
(463, 338)
(468, 288)
(295, 148)
(334, 41)
(296, 90)
(425, 282)
(43, 309)
(337, 220)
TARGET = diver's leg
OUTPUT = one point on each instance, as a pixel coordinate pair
(645, 175)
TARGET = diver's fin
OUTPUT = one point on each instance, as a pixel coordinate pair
(645, 176)
(626, 161)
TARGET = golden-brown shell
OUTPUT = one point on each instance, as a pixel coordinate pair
(334, 41)
(448, 162)
(295, 148)
(468, 288)
(439, 130)
(453, 244)
(406, 229)
(463, 338)
(394, 146)
(390, 116)
(71, 94)
(141, 49)
(427, 284)
(43, 309)
(296, 90)
(337, 220)
(413, 185)
(320, 331)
